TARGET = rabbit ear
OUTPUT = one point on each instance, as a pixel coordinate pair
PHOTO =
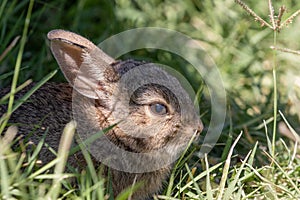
(83, 63)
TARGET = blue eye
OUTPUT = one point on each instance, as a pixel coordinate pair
(158, 108)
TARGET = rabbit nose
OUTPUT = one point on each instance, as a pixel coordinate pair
(200, 127)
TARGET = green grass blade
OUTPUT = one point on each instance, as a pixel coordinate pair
(32, 90)
(3, 4)
(232, 185)
(62, 156)
(18, 65)
(209, 195)
(198, 190)
(200, 176)
(126, 194)
(229, 139)
(252, 156)
(268, 139)
(226, 169)
(43, 169)
(286, 175)
(27, 95)
(54, 176)
(269, 182)
(4, 178)
(172, 176)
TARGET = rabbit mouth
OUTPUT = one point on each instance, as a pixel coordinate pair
(170, 142)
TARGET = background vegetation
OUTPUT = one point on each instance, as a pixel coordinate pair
(239, 45)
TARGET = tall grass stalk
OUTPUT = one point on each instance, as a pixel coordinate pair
(3, 4)
(17, 66)
(275, 94)
(62, 156)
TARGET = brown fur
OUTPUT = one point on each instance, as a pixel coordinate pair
(51, 108)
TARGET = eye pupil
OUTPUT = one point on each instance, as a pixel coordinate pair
(158, 108)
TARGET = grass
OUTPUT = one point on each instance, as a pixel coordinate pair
(257, 155)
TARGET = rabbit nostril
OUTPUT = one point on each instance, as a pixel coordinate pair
(177, 125)
(200, 127)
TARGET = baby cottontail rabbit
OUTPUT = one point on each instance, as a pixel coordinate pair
(148, 112)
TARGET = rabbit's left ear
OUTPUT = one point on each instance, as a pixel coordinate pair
(84, 65)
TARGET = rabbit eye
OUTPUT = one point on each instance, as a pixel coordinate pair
(158, 108)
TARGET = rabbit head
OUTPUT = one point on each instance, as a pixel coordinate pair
(145, 106)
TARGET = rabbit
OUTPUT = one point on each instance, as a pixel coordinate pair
(154, 118)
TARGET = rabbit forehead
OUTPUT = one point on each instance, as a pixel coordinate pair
(121, 67)
(133, 75)
(146, 83)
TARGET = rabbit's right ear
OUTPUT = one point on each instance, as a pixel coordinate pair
(83, 63)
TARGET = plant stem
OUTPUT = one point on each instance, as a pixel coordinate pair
(275, 96)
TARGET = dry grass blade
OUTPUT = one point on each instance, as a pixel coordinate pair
(289, 20)
(191, 177)
(266, 181)
(291, 181)
(4, 166)
(252, 13)
(295, 135)
(286, 50)
(62, 155)
(10, 46)
(19, 88)
(271, 10)
(6, 141)
(293, 155)
(282, 9)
